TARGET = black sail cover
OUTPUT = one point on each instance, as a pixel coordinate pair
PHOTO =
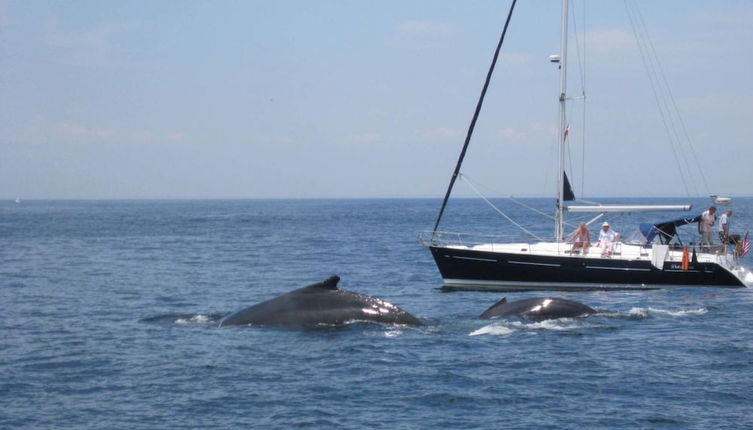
(567, 193)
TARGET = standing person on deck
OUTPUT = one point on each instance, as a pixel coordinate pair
(724, 228)
(706, 226)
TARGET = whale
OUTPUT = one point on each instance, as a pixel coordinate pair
(320, 304)
(537, 309)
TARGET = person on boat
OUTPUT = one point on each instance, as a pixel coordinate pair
(724, 230)
(724, 227)
(580, 238)
(607, 238)
(706, 226)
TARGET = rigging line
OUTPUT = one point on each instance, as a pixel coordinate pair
(683, 127)
(665, 94)
(583, 149)
(577, 49)
(582, 70)
(589, 202)
(531, 208)
(656, 96)
(583, 130)
(497, 209)
(664, 90)
(475, 117)
(655, 87)
(469, 181)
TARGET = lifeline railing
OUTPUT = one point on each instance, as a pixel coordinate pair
(445, 238)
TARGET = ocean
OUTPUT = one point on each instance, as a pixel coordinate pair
(110, 312)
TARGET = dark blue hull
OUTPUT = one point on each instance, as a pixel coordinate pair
(484, 270)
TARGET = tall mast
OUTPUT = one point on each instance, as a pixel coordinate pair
(559, 219)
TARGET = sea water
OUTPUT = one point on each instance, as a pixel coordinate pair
(110, 311)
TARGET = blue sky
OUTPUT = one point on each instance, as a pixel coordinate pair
(330, 99)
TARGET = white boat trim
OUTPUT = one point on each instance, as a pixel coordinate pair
(486, 260)
(623, 269)
(470, 284)
(531, 263)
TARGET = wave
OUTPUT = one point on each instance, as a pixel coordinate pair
(506, 328)
(494, 330)
(195, 319)
(649, 312)
(184, 319)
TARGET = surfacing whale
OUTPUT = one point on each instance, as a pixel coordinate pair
(321, 304)
(537, 309)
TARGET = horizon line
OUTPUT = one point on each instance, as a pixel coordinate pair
(12, 199)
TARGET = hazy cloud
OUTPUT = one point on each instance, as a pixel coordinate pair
(4, 16)
(190, 86)
(363, 138)
(516, 60)
(739, 14)
(149, 137)
(424, 28)
(722, 105)
(534, 133)
(68, 129)
(91, 47)
(439, 134)
(613, 42)
(511, 133)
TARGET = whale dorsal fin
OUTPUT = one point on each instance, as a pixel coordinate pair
(327, 284)
(331, 282)
(489, 313)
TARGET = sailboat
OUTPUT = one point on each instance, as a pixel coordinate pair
(656, 259)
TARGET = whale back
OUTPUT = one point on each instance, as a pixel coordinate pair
(537, 309)
(320, 304)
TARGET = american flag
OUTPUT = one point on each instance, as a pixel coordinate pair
(745, 246)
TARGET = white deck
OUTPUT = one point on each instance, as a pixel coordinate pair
(621, 251)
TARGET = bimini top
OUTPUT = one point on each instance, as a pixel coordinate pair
(665, 230)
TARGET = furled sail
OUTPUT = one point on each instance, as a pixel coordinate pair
(568, 194)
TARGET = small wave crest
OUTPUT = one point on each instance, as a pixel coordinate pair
(195, 319)
(506, 328)
(649, 312)
(494, 330)
(184, 319)
(387, 329)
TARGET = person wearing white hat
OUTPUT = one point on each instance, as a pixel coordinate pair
(607, 237)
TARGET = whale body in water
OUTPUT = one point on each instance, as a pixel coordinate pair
(537, 309)
(321, 304)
